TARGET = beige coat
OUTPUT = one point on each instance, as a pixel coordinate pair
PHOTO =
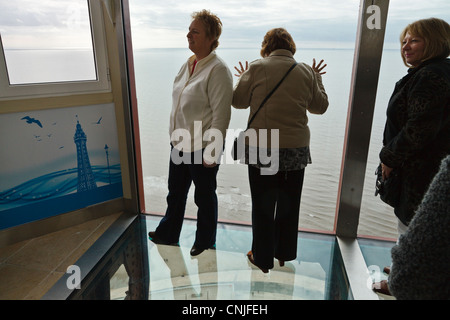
(286, 110)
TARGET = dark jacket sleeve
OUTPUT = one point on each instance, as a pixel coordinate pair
(427, 100)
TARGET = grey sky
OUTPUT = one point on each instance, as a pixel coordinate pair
(164, 23)
(318, 23)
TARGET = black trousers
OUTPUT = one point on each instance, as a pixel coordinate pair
(180, 178)
(275, 215)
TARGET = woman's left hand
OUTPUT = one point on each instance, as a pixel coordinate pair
(242, 70)
(318, 69)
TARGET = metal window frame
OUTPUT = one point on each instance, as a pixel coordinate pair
(101, 84)
(366, 68)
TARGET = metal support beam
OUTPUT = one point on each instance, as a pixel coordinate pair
(366, 67)
(356, 269)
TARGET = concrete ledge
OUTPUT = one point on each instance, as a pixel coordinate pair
(52, 224)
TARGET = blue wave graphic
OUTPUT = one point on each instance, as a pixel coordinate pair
(55, 184)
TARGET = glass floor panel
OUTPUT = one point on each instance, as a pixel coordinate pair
(226, 274)
(377, 255)
(123, 264)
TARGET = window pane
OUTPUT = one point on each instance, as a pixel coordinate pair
(47, 41)
(159, 39)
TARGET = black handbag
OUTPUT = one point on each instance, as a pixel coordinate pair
(238, 149)
(390, 188)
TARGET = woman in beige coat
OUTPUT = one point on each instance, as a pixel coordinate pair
(276, 197)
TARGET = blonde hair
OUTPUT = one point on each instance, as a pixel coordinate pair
(436, 35)
(212, 23)
(277, 38)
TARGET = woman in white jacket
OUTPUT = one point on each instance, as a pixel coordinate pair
(201, 110)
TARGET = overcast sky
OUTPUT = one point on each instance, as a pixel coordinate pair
(164, 23)
(317, 23)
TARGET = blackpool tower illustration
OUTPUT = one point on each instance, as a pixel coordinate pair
(86, 180)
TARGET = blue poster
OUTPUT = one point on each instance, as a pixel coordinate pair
(57, 160)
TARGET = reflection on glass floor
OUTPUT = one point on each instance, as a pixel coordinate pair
(226, 274)
(124, 264)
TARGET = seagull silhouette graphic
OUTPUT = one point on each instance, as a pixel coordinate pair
(32, 120)
(98, 122)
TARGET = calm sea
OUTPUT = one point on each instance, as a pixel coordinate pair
(155, 70)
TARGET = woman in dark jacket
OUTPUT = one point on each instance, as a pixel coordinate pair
(417, 131)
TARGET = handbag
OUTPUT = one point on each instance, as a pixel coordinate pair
(389, 189)
(238, 149)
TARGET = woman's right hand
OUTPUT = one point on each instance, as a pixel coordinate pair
(242, 70)
(385, 171)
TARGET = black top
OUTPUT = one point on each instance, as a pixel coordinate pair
(417, 131)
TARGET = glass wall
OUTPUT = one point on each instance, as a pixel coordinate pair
(160, 48)
(326, 31)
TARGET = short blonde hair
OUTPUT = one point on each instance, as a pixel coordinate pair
(277, 38)
(212, 23)
(436, 35)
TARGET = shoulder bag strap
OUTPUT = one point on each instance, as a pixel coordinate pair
(270, 94)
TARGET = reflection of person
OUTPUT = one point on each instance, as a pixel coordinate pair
(202, 93)
(279, 194)
(417, 131)
(421, 260)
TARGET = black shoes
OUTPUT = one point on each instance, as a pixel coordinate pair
(194, 251)
(152, 236)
